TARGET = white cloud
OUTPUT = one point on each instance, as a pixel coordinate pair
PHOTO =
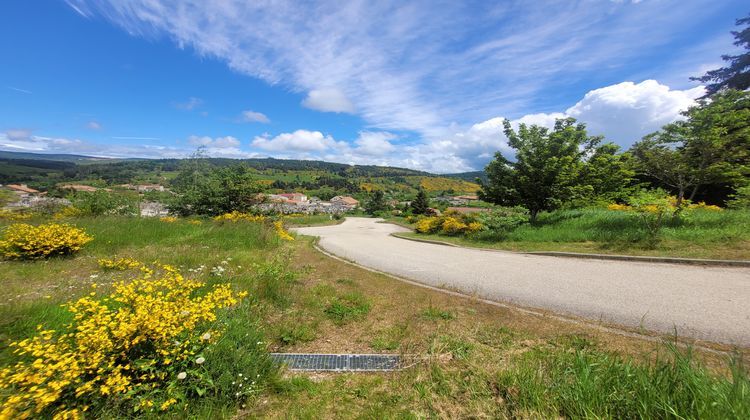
(298, 141)
(625, 112)
(226, 142)
(93, 125)
(375, 143)
(328, 100)
(190, 104)
(415, 67)
(253, 116)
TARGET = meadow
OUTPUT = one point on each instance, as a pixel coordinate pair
(698, 234)
(468, 358)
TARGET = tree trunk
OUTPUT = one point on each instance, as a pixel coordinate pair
(692, 194)
(533, 213)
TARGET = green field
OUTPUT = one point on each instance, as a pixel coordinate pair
(473, 359)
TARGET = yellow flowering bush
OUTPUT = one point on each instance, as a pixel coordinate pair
(195, 222)
(428, 225)
(168, 219)
(283, 234)
(68, 212)
(703, 206)
(118, 264)
(24, 241)
(453, 226)
(618, 207)
(14, 216)
(237, 216)
(139, 347)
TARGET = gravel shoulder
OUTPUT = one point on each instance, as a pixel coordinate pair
(705, 303)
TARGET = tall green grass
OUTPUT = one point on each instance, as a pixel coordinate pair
(585, 383)
(600, 225)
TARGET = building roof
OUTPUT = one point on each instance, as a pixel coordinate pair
(350, 201)
(21, 188)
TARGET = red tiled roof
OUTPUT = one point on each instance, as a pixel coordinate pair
(21, 188)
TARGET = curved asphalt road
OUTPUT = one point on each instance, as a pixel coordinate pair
(707, 303)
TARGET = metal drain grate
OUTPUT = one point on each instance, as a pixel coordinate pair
(338, 362)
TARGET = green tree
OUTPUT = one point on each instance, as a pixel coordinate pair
(711, 146)
(736, 75)
(375, 202)
(421, 203)
(215, 191)
(547, 169)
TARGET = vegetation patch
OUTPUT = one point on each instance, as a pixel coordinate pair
(346, 308)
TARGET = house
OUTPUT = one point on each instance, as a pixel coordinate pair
(462, 199)
(345, 201)
(295, 197)
(148, 187)
(21, 189)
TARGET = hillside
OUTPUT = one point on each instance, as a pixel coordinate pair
(320, 178)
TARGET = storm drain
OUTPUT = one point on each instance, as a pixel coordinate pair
(338, 362)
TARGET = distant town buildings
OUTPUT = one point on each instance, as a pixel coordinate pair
(78, 188)
(289, 203)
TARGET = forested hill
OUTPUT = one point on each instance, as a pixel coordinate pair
(44, 171)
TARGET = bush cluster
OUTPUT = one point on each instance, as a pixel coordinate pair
(496, 222)
(141, 349)
(24, 241)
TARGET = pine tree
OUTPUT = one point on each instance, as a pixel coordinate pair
(421, 203)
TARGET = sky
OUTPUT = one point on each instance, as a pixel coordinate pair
(416, 84)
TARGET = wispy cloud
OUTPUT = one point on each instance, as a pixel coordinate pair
(190, 104)
(253, 116)
(93, 125)
(28, 92)
(412, 65)
(134, 138)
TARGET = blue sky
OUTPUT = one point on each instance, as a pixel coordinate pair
(416, 84)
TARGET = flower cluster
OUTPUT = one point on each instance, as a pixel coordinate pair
(195, 222)
(236, 216)
(68, 212)
(449, 224)
(283, 234)
(168, 219)
(138, 346)
(118, 264)
(24, 241)
(14, 216)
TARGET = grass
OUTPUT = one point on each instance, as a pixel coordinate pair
(473, 359)
(700, 234)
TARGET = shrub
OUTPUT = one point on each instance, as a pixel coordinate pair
(168, 219)
(14, 216)
(118, 264)
(283, 234)
(140, 348)
(24, 241)
(102, 202)
(237, 216)
(740, 199)
(453, 226)
(500, 221)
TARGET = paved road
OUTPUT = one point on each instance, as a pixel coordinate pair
(709, 303)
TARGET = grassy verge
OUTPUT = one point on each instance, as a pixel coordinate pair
(313, 220)
(475, 360)
(700, 234)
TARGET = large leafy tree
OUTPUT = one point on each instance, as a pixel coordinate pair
(548, 167)
(736, 75)
(214, 191)
(712, 145)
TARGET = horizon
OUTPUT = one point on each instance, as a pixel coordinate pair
(400, 85)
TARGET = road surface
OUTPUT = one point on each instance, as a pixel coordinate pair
(707, 303)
